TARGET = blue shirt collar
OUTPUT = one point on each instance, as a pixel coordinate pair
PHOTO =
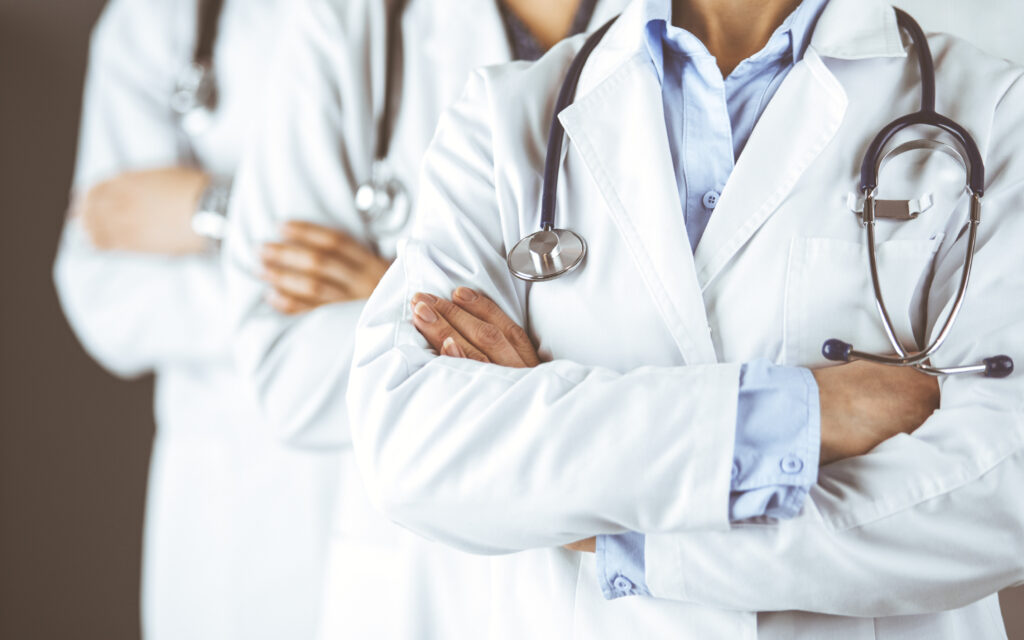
(793, 36)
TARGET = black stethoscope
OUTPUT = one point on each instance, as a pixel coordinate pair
(383, 202)
(195, 94)
(552, 252)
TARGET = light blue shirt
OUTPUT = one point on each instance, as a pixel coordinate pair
(709, 120)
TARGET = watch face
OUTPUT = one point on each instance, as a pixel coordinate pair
(209, 224)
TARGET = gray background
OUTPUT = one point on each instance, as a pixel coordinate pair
(74, 443)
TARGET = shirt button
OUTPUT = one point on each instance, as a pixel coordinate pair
(711, 199)
(792, 464)
(622, 584)
(735, 470)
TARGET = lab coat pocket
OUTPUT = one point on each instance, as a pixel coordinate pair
(829, 295)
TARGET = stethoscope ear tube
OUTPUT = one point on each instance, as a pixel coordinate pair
(925, 116)
(839, 351)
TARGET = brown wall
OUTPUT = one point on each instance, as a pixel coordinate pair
(74, 443)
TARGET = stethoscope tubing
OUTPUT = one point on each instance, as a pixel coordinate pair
(556, 135)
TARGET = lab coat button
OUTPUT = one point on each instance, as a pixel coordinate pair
(711, 199)
(792, 464)
(622, 584)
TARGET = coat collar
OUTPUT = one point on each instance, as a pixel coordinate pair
(847, 29)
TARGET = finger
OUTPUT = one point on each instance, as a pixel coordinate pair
(286, 304)
(440, 334)
(485, 309)
(309, 289)
(484, 336)
(329, 240)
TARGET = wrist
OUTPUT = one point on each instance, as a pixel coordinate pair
(833, 439)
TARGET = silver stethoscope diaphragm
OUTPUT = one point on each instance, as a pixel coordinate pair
(550, 252)
(546, 254)
(383, 202)
(195, 97)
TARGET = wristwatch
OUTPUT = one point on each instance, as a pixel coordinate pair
(210, 219)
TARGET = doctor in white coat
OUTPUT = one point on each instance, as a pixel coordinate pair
(630, 423)
(315, 148)
(236, 525)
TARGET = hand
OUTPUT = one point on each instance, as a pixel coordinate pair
(472, 326)
(864, 404)
(316, 265)
(144, 211)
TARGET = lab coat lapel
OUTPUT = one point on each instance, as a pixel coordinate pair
(798, 124)
(631, 164)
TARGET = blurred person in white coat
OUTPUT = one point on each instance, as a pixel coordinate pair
(236, 525)
(325, 136)
(664, 409)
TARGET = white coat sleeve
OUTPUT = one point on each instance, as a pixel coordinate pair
(312, 141)
(925, 522)
(135, 312)
(492, 459)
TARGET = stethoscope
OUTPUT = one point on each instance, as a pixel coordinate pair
(383, 202)
(195, 93)
(552, 252)
(971, 160)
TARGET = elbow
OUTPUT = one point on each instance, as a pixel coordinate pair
(406, 481)
(100, 333)
(433, 513)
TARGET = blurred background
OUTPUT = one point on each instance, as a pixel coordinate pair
(74, 442)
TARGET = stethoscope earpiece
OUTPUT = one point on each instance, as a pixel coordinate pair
(873, 209)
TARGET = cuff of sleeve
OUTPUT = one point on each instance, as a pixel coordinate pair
(778, 441)
(621, 566)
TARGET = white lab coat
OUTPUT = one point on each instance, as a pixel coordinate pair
(314, 149)
(236, 525)
(992, 25)
(630, 425)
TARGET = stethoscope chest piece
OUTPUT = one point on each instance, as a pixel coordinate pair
(195, 98)
(383, 203)
(546, 254)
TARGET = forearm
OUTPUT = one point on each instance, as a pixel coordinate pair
(136, 312)
(931, 547)
(493, 459)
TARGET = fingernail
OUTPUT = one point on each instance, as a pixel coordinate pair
(450, 348)
(425, 313)
(423, 297)
(466, 294)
